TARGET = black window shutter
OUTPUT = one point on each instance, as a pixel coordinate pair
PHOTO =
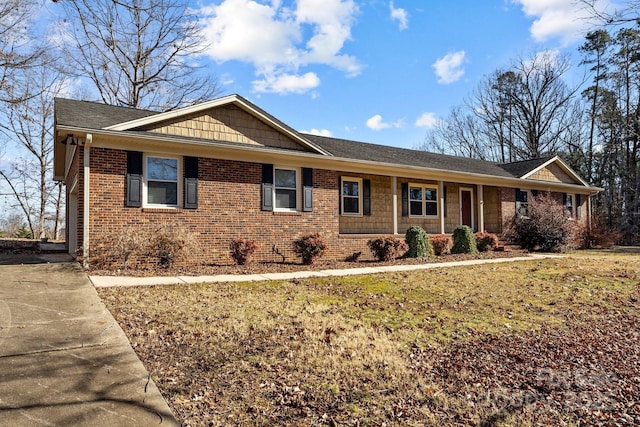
(405, 199)
(267, 187)
(366, 196)
(444, 199)
(534, 193)
(307, 189)
(564, 199)
(340, 190)
(134, 179)
(191, 183)
(578, 206)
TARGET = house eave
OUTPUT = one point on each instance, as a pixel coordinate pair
(168, 144)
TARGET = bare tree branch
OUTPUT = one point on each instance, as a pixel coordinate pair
(139, 54)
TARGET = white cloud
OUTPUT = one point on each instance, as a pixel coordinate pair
(376, 123)
(567, 20)
(279, 40)
(400, 15)
(286, 83)
(449, 67)
(427, 120)
(319, 132)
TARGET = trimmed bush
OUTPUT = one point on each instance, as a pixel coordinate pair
(310, 247)
(242, 250)
(486, 241)
(463, 241)
(418, 241)
(387, 248)
(441, 244)
(546, 227)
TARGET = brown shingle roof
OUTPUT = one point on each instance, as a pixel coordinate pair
(402, 156)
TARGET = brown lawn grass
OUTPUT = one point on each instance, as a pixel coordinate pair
(534, 343)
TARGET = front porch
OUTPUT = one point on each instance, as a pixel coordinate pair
(388, 205)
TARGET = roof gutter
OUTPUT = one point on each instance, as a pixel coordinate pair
(245, 152)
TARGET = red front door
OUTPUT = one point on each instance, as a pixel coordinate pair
(465, 207)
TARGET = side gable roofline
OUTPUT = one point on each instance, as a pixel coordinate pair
(563, 166)
(225, 100)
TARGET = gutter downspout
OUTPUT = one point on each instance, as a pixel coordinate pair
(85, 201)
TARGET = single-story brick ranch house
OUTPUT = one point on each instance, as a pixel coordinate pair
(227, 169)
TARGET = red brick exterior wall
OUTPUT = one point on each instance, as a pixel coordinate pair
(229, 206)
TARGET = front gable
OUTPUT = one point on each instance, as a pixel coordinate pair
(553, 173)
(228, 119)
(555, 170)
(227, 123)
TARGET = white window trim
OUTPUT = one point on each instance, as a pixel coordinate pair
(360, 196)
(145, 175)
(424, 200)
(298, 189)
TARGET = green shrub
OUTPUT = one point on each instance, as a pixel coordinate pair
(387, 248)
(418, 241)
(463, 241)
(242, 250)
(486, 241)
(310, 247)
(546, 227)
(23, 232)
(441, 244)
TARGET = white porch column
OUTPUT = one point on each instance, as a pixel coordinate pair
(589, 212)
(442, 206)
(481, 213)
(85, 204)
(394, 191)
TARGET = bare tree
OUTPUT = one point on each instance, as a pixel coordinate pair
(139, 53)
(522, 112)
(17, 49)
(27, 126)
(624, 12)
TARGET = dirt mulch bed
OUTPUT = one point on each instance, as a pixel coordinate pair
(279, 267)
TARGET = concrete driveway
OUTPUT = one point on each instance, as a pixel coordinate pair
(63, 358)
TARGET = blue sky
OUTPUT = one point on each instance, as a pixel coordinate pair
(377, 71)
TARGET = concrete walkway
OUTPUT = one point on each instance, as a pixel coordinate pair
(110, 281)
(63, 359)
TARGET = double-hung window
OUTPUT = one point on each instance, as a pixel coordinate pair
(568, 204)
(285, 189)
(522, 202)
(423, 200)
(161, 178)
(351, 196)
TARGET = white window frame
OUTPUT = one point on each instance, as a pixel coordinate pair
(298, 189)
(342, 196)
(424, 200)
(145, 186)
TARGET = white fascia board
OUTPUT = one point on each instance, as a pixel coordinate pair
(255, 153)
